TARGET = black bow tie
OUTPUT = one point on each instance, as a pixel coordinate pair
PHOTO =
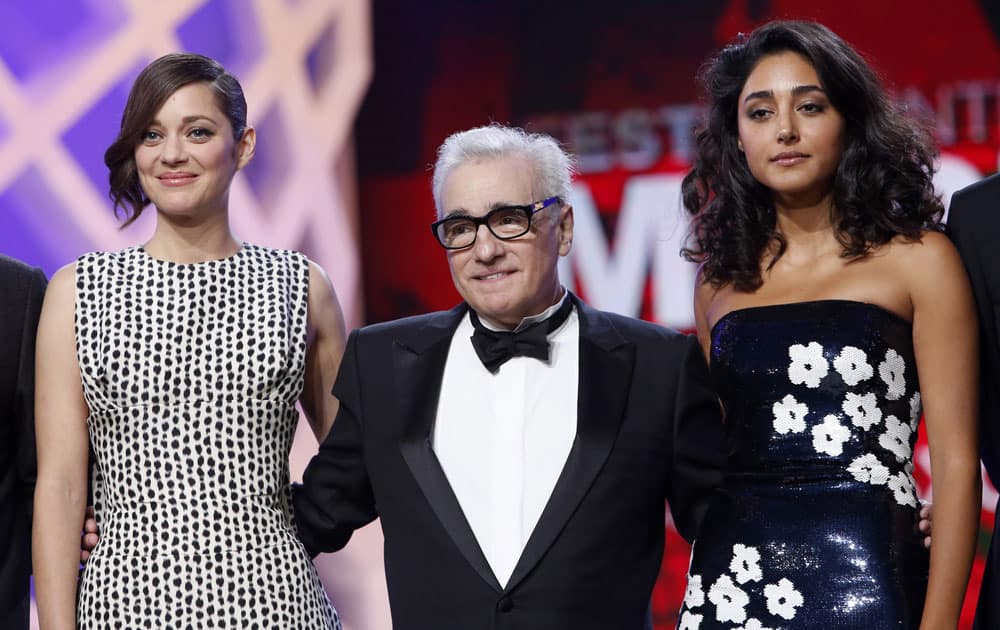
(496, 347)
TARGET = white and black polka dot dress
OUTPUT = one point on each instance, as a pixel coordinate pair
(191, 373)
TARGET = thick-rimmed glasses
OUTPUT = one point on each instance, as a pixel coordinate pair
(505, 223)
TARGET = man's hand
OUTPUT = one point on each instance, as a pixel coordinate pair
(925, 523)
(90, 538)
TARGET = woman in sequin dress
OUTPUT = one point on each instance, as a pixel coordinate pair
(181, 362)
(825, 289)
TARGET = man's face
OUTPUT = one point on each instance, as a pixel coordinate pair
(506, 281)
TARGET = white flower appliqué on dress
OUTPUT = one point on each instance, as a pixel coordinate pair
(730, 600)
(852, 365)
(745, 564)
(808, 366)
(915, 409)
(896, 438)
(869, 469)
(789, 415)
(690, 621)
(694, 596)
(903, 489)
(829, 436)
(862, 410)
(891, 372)
(783, 599)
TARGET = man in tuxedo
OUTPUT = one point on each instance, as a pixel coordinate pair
(519, 447)
(974, 226)
(21, 291)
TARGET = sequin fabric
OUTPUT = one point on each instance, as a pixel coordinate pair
(815, 526)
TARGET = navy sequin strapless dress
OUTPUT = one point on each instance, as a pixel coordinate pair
(815, 526)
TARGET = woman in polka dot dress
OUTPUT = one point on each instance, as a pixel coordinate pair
(181, 362)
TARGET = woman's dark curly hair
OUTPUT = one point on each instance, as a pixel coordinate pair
(882, 188)
(151, 89)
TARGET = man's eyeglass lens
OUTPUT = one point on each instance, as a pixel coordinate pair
(505, 223)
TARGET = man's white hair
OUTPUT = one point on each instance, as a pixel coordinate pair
(553, 166)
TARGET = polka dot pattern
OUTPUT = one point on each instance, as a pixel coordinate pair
(191, 373)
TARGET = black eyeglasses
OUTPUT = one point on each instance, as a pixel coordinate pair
(505, 223)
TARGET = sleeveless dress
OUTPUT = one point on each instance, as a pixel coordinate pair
(815, 525)
(191, 373)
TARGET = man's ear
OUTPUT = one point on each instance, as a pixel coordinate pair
(565, 230)
(245, 147)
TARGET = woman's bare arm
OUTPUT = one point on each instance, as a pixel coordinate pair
(326, 346)
(945, 342)
(62, 443)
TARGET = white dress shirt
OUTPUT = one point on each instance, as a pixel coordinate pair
(503, 439)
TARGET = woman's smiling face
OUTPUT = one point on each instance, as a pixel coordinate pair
(187, 156)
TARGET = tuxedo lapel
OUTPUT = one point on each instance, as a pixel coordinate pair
(418, 363)
(606, 362)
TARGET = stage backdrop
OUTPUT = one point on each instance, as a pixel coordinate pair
(65, 70)
(615, 82)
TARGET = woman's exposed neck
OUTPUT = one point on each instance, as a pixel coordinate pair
(806, 223)
(191, 240)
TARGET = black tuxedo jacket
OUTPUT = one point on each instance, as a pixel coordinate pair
(974, 226)
(21, 291)
(648, 429)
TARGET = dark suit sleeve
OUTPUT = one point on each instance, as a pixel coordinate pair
(968, 230)
(336, 497)
(24, 392)
(698, 446)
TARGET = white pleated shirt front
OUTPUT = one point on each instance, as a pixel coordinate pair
(503, 439)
